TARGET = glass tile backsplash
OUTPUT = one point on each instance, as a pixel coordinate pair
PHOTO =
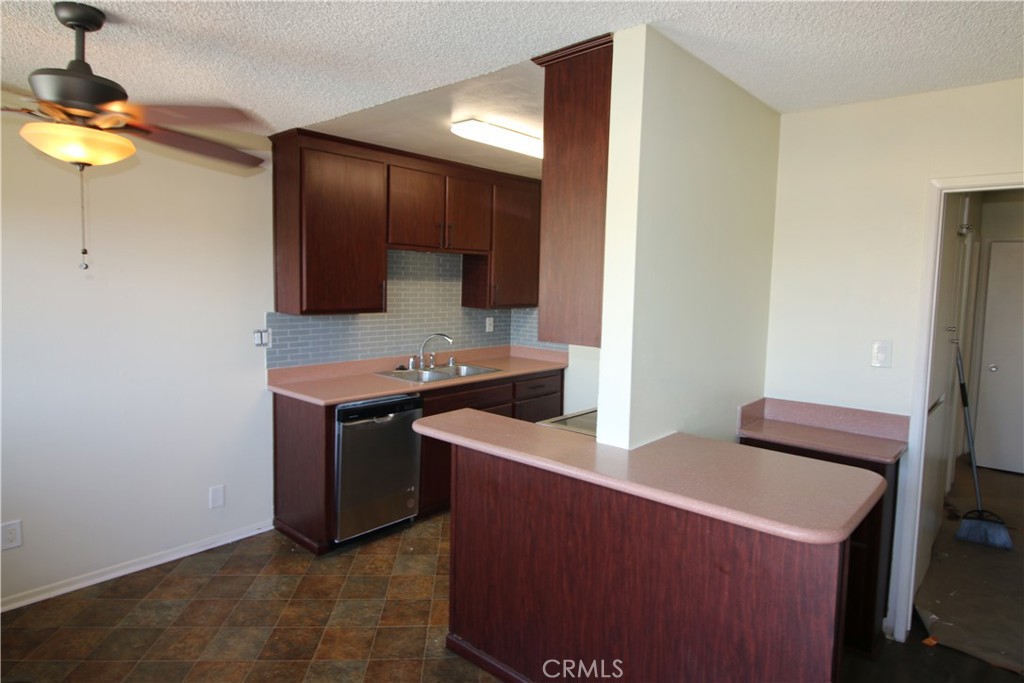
(424, 296)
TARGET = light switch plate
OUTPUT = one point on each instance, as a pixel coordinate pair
(217, 496)
(881, 353)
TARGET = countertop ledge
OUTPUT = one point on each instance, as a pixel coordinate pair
(862, 434)
(804, 500)
(357, 380)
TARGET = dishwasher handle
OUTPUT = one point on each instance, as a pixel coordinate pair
(380, 419)
(378, 409)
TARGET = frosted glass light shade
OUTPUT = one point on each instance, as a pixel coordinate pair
(498, 136)
(77, 144)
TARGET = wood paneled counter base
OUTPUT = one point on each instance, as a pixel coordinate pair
(858, 438)
(683, 560)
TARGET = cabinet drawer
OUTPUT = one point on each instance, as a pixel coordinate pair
(503, 409)
(474, 398)
(540, 408)
(538, 386)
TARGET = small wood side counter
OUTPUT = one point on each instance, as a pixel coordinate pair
(858, 438)
(686, 559)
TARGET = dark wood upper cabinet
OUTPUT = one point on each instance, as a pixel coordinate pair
(416, 208)
(330, 213)
(339, 205)
(438, 212)
(508, 277)
(577, 105)
(468, 226)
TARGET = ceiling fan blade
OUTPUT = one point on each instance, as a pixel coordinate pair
(194, 144)
(178, 114)
(108, 120)
(55, 112)
(22, 110)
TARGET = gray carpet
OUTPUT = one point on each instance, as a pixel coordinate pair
(972, 598)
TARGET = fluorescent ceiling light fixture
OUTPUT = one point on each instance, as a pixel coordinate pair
(498, 136)
(77, 144)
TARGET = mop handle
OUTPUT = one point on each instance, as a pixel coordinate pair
(967, 421)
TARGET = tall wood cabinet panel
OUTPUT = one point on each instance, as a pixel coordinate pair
(508, 276)
(330, 213)
(577, 105)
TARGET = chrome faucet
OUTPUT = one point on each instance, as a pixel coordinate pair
(424, 366)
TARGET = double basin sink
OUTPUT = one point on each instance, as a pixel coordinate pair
(438, 373)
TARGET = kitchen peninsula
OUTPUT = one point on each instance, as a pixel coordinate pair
(683, 559)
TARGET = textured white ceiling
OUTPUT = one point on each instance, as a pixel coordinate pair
(310, 64)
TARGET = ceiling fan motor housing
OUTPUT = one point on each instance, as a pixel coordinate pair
(76, 86)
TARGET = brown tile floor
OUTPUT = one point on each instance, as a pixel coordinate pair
(263, 609)
(260, 609)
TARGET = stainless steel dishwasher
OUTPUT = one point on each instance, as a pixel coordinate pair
(377, 463)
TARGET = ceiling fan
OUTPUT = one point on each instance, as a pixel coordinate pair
(76, 101)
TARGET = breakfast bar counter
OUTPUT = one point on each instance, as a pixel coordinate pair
(684, 559)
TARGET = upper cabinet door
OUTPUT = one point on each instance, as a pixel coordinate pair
(416, 208)
(343, 218)
(516, 249)
(469, 215)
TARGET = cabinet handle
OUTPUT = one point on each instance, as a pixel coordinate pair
(448, 236)
(384, 294)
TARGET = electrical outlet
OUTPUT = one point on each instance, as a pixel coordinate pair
(11, 535)
(217, 496)
(488, 324)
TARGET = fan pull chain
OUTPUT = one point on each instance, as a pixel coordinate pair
(81, 193)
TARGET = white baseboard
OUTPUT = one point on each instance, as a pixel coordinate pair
(100, 575)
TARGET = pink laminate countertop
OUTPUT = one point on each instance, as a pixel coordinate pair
(356, 381)
(805, 500)
(862, 434)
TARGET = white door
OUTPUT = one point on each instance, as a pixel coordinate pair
(999, 432)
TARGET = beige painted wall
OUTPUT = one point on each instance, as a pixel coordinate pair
(691, 201)
(132, 387)
(857, 218)
(852, 229)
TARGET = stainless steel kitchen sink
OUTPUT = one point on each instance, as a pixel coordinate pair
(465, 370)
(416, 375)
(438, 373)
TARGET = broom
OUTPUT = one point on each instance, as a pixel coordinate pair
(978, 525)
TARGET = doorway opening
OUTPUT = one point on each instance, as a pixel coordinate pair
(970, 596)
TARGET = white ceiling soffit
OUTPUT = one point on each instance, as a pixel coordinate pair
(421, 65)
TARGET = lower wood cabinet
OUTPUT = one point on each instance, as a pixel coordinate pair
(304, 472)
(867, 585)
(531, 398)
(304, 449)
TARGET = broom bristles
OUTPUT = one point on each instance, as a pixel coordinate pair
(984, 527)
